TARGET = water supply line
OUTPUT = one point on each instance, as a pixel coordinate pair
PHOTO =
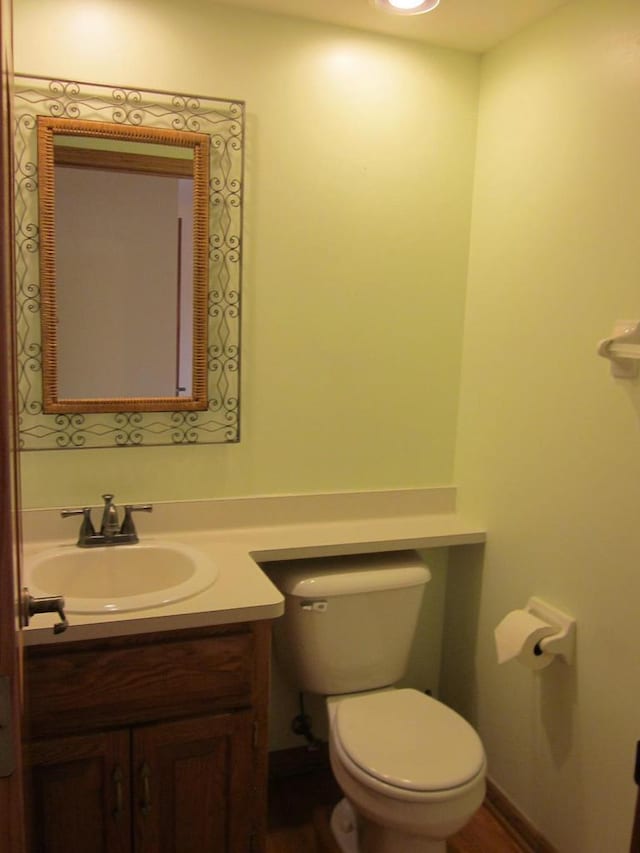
(301, 725)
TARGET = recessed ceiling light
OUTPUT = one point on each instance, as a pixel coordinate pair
(407, 7)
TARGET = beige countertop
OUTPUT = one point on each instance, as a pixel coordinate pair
(308, 526)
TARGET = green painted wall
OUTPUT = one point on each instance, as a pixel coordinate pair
(359, 172)
(549, 446)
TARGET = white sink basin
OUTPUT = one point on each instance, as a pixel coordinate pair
(120, 577)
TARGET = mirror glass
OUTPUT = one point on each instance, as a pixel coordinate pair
(128, 261)
(123, 224)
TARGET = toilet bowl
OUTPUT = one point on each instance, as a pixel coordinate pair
(412, 770)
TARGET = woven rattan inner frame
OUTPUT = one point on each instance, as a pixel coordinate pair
(199, 144)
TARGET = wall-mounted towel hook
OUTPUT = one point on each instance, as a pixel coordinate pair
(623, 349)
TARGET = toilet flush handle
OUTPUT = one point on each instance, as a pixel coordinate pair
(317, 605)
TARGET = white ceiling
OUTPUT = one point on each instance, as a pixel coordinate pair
(475, 25)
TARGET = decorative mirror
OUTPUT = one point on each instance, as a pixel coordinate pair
(129, 215)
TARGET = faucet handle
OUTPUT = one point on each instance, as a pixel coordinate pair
(128, 527)
(86, 528)
(139, 507)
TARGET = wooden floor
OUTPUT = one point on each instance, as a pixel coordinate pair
(300, 807)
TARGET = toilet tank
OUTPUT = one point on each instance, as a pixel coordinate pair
(349, 621)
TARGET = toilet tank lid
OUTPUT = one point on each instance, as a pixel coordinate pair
(349, 575)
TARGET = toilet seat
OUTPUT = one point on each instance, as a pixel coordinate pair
(407, 742)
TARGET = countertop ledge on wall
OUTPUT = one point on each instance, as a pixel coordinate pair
(240, 534)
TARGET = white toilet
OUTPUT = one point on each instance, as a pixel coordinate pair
(411, 769)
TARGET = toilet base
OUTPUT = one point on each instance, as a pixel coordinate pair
(344, 827)
(355, 834)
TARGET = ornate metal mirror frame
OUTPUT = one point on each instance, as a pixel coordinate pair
(214, 129)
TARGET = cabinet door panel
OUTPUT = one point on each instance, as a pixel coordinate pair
(80, 794)
(190, 786)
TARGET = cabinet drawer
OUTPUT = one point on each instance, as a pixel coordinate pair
(136, 682)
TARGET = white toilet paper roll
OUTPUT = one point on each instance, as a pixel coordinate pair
(518, 636)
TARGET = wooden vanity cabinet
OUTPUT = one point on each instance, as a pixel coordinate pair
(150, 744)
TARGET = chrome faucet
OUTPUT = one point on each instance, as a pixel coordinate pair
(112, 532)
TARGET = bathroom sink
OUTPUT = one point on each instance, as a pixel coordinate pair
(119, 578)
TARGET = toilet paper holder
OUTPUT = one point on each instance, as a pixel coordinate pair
(563, 642)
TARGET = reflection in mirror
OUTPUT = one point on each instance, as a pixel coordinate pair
(124, 251)
(127, 135)
(124, 282)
